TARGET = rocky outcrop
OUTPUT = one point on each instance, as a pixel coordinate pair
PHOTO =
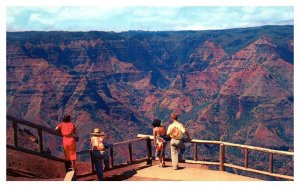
(206, 54)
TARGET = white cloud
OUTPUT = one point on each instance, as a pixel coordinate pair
(38, 18)
(11, 15)
(10, 20)
(197, 27)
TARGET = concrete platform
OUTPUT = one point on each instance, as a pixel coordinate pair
(185, 173)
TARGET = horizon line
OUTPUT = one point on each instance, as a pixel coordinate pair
(139, 30)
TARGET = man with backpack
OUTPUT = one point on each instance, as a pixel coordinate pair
(176, 131)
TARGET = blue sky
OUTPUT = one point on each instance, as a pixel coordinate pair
(155, 18)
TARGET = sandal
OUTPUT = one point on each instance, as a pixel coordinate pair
(162, 165)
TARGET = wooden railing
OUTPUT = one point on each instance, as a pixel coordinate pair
(130, 159)
(147, 139)
(40, 129)
(222, 163)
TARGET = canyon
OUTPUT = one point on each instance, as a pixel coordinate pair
(233, 85)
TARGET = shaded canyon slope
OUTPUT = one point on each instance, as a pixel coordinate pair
(233, 85)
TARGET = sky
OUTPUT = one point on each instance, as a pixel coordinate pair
(148, 18)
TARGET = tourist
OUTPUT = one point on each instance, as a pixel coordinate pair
(99, 154)
(68, 131)
(176, 131)
(160, 141)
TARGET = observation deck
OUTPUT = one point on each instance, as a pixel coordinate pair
(26, 164)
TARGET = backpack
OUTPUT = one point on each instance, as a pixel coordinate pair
(176, 133)
(98, 142)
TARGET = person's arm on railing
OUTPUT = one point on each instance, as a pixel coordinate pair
(188, 136)
(75, 134)
(58, 128)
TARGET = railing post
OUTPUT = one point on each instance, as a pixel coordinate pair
(130, 152)
(149, 152)
(222, 156)
(195, 151)
(15, 127)
(271, 162)
(40, 132)
(111, 152)
(246, 158)
(92, 161)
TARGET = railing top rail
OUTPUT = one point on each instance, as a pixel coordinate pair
(118, 143)
(206, 141)
(33, 125)
(131, 141)
(259, 149)
(233, 145)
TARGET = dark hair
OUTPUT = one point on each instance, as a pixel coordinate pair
(174, 116)
(156, 122)
(67, 118)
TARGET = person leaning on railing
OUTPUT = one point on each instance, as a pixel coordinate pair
(160, 141)
(99, 146)
(176, 131)
(68, 131)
